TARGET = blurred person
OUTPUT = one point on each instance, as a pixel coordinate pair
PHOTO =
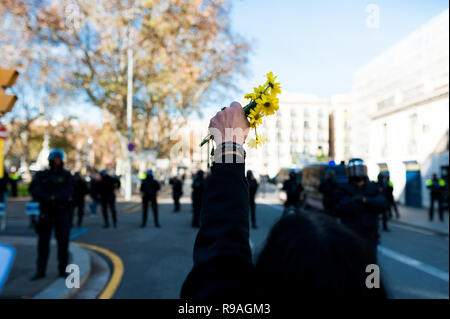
(80, 190)
(149, 191)
(14, 179)
(436, 187)
(305, 256)
(293, 192)
(389, 191)
(198, 185)
(31, 190)
(330, 192)
(177, 192)
(381, 183)
(94, 193)
(4, 187)
(360, 204)
(252, 189)
(53, 190)
(106, 189)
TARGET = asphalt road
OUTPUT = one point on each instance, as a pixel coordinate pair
(414, 264)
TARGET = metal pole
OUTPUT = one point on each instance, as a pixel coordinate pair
(129, 112)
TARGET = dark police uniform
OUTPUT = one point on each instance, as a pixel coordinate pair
(53, 189)
(362, 217)
(106, 188)
(177, 192)
(149, 190)
(293, 192)
(436, 187)
(330, 191)
(79, 192)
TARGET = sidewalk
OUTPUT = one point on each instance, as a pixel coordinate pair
(19, 285)
(418, 217)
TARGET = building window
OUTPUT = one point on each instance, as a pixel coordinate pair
(412, 145)
(386, 103)
(306, 124)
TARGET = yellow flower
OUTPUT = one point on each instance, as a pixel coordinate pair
(255, 116)
(259, 91)
(251, 96)
(255, 142)
(274, 86)
(268, 104)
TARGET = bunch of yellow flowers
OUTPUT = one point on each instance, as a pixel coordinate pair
(263, 102)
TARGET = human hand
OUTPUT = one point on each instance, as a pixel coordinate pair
(230, 125)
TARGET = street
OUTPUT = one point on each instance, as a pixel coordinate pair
(156, 261)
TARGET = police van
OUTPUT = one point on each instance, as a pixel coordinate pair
(312, 176)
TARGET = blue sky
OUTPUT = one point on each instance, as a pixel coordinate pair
(316, 46)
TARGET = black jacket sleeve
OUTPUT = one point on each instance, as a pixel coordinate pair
(222, 257)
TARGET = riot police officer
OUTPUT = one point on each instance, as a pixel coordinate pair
(360, 204)
(198, 186)
(177, 192)
(80, 190)
(149, 190)
(293, 192)
(53, 189)
(436, 187)
(106, 189)
(381, 183)
(329, 189)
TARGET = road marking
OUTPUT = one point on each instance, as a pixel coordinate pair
(411, 228)
(403, 258)
(78, 233)
(117, 274)
(414, 263)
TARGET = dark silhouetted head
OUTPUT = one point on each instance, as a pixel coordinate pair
(310, 256)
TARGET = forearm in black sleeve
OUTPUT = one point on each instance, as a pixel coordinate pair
(222, 256)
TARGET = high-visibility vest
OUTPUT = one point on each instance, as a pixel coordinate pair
(441, 183)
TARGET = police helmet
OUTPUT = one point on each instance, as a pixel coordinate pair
(56, 153)
(356, 168)
(103, 172)
(149, 172)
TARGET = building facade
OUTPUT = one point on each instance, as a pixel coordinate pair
(297, 135)
(400, 110)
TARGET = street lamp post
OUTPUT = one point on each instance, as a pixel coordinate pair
(129, 112)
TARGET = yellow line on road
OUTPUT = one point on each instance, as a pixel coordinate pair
(117, 274)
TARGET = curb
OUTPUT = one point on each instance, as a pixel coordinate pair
(58, 289)
(437, 232)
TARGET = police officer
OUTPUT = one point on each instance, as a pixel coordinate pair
(390, 197)
(177, 192)
(436, 187)
(198, 186)
(79, 192)
(293, 192)
(149, 190)
(329, 189)
(106, 190)
(252, 188)
(360, 204)
(53, 189)
(381, 183)
(14, 178)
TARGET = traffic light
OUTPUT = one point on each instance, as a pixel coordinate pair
(7, 80)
